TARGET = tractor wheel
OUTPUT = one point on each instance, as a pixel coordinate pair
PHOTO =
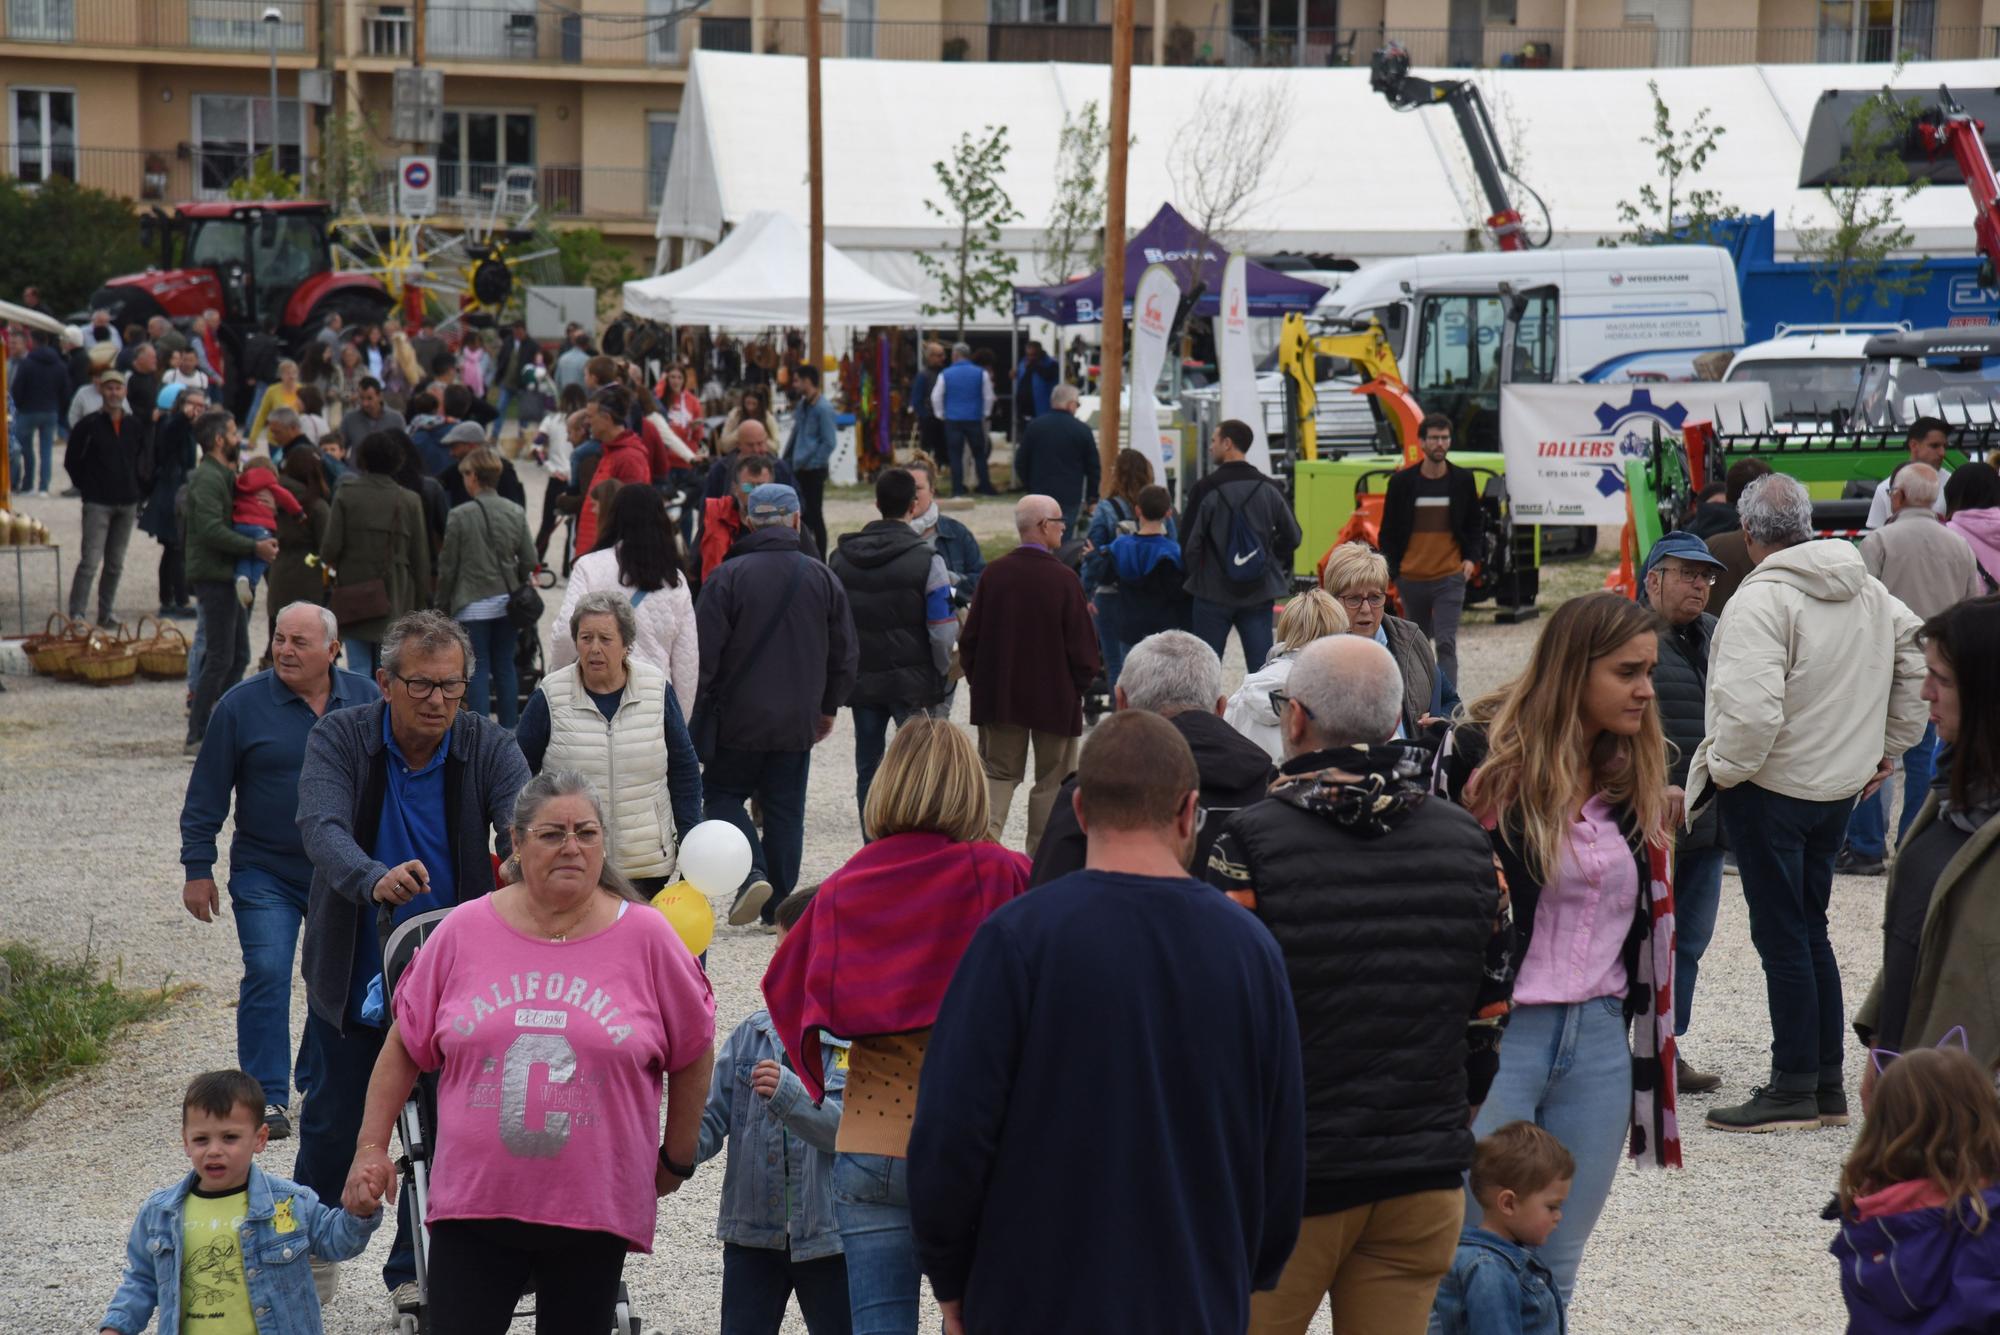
(356, 310)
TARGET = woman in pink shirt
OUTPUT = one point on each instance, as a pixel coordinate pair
(551, 1011)
(1567, 766)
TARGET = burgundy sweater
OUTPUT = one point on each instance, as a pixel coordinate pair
(1028, 646)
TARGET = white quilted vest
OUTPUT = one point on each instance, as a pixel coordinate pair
(626, 758)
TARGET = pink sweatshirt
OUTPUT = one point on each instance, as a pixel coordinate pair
(552, 1055)
(1981, 531)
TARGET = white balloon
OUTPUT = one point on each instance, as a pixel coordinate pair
(715, 857)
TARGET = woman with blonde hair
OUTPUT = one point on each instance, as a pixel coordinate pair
(869, 963)
(283, 394)
(1358, 576)
(1567, 767)
(1255, 708)
(1117, 513)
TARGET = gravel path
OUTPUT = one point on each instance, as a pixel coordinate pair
(90, 788)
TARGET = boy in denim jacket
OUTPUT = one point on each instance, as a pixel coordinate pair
(1497, 1285)
(776, 1224)
(229, 1247)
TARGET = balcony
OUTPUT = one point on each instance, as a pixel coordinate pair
(564, 192)
(523, 34)
(162, 25)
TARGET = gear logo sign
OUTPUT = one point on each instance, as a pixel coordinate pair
(1640, 405)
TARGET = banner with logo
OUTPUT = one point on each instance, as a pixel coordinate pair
(1153, 308)
(1239, 372)
(1566, 445)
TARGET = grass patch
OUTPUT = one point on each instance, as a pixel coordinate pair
(60, 1016)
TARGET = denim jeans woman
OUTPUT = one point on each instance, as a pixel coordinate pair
(871, 1203)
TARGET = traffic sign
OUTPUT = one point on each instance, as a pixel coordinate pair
(416, 186)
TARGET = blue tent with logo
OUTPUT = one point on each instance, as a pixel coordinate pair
(1195, 257)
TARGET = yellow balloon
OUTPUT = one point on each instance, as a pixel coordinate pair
(687, 909)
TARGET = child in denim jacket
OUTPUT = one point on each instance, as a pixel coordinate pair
(1497, 1285)
(776, 1221)
(229, 1247)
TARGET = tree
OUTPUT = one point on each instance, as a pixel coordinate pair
(345, 172)
(972, 272)
(1849, 256)
(264, 181)
(587, 259)
(1074, 239)
(65, 239)
(1677, 209)
(1223, 152)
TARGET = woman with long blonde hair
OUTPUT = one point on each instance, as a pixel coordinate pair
(1567, 766)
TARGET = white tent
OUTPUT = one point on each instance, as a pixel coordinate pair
(1353, 177)
(759, 276)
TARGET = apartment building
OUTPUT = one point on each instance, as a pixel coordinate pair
(168, 100)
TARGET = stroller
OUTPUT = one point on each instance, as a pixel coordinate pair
(416, 1125)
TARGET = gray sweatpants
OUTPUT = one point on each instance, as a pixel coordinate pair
(107, 531)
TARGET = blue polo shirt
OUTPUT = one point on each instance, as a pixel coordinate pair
(252, 753)
(412, 826)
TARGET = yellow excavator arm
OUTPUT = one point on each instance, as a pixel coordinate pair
(1368, 351)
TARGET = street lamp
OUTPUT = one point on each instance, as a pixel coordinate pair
(273, 17)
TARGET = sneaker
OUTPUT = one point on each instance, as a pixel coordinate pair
(1850, 863)
(406, 1297)
(1832, 1100)
(190, 749)
(750, 901)
(1768, 1109)
(244, 593)
(326, 1279)
(1691, 1081)
(185, 612)
(1729, 867)
(278, 1121)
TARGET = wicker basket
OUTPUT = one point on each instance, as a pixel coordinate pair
(106, 662)
(52, 650)
(164, 654)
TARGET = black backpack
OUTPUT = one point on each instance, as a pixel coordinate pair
(1243, 553)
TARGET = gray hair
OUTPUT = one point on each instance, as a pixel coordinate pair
(282, 417)
(543, 789)
(1063, 396)
(1918, 483)
(1776, 511)
(961, 351)
(606, 603)
(1352, 689)
(1171, 672)
(326, 618)
(425, 632)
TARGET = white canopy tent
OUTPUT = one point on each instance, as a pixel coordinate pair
(759, 276)
(1352, 176)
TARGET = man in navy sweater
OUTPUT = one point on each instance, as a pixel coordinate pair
(1110, 1131)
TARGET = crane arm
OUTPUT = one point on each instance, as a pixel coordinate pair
(1390, 76)
(1949, 128)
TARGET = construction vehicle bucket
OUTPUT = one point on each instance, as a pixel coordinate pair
(1828, 158)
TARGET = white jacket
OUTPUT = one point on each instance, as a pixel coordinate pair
(625, 757)
(665, 617)
(1813, 677)
(1249, 711)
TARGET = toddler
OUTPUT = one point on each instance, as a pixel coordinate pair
(1497, 1285)
(259, 496)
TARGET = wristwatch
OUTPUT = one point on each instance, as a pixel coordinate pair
(683, 1171)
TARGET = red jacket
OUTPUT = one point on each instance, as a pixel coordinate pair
(721, 525)
(256, 489)
(626, 459)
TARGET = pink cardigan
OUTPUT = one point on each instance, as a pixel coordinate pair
(666, 625)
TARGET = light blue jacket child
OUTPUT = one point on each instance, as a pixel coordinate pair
(1496, 1287)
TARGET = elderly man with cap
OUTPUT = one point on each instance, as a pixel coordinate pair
(1678, 575)
(462, 440)
(778, 658)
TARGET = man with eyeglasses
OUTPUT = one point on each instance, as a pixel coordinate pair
(1677, 577)
(1432, 537)
(395, 801)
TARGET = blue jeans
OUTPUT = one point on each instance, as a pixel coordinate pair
(777, 779)
(1697, 896)
(27, 428)
(961, 438)
(758, 1281)
(1110, 642)
(1567, 1069)
(252, 568)
(871, 739)
(500, 413)
(331, 1120)
(495, 682)
(268, 910)
(362, 656)
(871, 1201)
(1868, 827)
(1785, 848)
(1213, 622)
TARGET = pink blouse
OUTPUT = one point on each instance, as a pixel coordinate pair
(1583, 916)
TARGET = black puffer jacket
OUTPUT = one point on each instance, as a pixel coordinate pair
(884, 568)
(1396, 938)
(1681, 683)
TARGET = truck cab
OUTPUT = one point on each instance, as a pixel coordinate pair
(1952, 374)
(1814, 372)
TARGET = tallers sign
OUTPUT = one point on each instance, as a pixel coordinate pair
(1566, 445)
(1153, 307)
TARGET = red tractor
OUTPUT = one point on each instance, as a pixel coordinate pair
(264, 264)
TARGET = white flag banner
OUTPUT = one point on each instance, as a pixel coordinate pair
(1566, 445)
(1232, 351)
(1153, 305)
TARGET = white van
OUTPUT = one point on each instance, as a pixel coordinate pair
(1636, 312)
(1814, 371)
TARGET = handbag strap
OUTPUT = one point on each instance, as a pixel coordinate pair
(506, 567)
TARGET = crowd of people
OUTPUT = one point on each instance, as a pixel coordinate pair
(1433, 960)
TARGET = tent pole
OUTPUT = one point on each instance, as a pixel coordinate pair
(816, 303)
(1112, 362)
(1014, 399)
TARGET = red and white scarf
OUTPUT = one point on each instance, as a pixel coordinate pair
(1655, 1129)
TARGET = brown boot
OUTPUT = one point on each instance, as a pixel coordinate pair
(1691, 1081)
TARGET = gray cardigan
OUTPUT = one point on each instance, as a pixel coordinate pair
(341, 787)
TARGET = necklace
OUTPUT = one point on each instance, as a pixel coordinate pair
(563, 935)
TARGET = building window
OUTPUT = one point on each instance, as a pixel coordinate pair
(492, 30)
(477, 149)
(41, 20)
(660, 127)
(231, 131)
(858, 23)
(233, 25)
(663, 30)
(43, 134)
(1040, 11)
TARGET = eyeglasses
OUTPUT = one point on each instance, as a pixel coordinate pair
(1689, 575)
(553, 837)
(1279, 700)
(1354, 602)
(420, 688)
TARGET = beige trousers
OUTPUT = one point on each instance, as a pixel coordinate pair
(1379, 1263)
(1003, 749)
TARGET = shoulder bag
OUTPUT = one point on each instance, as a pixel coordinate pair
(706, 726)
(524, 600)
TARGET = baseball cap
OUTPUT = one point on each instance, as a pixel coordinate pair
(1682, 544)
(773, 500)
(109, 374)
(464, 433)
